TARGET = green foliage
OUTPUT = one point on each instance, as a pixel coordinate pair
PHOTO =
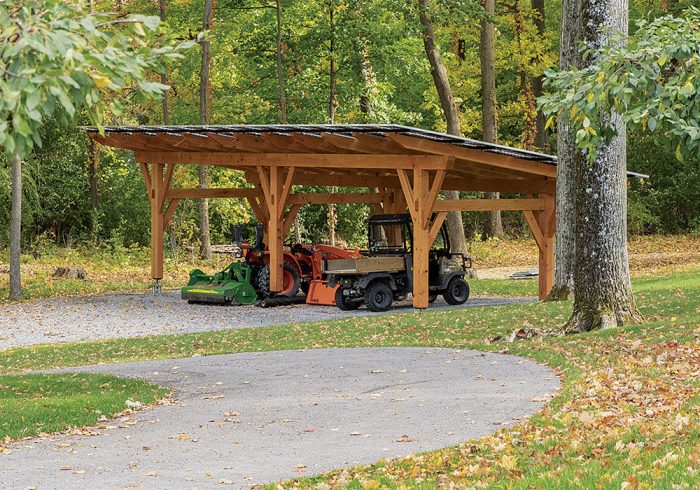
(56, 58)
(652, 81)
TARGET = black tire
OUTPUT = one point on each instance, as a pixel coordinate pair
(432, 297)
(457, 292)
(378, 296)
(342, 302)
(264, 280)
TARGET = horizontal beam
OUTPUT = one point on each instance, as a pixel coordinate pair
(303, 160)
(210, 193)
(513, 186)
(338, 198)
(489, 205)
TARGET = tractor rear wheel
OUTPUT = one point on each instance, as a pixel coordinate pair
(378, 296)
(290, 281)
(342, 302)
(457, 292)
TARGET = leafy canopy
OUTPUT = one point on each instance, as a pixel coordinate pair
(57, 58)
(652, 81)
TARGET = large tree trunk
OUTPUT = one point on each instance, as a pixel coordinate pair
(455, 225)
(16, 231)
(568, 158)
(493, 226)
(204, 235)
(537, 89)
(602, 287)
(332, 106)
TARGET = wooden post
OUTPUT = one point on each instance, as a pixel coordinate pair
(421, 233)
(156, 194)
(543, 225)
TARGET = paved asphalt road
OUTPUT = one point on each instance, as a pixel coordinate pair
(133, 315)
(249, 418)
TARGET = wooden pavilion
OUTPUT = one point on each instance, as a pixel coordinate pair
(409, 166)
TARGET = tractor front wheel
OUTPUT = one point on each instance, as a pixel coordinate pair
(290, 281)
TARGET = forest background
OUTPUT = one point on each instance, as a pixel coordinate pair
(360, 61)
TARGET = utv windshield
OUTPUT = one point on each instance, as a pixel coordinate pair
(387, 238)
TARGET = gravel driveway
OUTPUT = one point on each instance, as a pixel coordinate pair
(134, 315)
(250, 418)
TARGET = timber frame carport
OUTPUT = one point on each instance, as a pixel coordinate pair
(403, 168)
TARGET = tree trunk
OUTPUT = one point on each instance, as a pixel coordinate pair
(164, 74)
(16, 231)
(493, 226)
(280, 66)
(455, 225)
(370, 84)
(568, 158)
(93, 166)
(204, 235)
(332, 106)
(602, 288)
(541, 135)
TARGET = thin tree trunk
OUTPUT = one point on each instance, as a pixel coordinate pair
(493, 226)
(172, 239)
(93, 166)
(332, 106)
(16, 231)
(455, 225)
(370, 84)
(164, 74)
(541, 135)
(204, 235)
(280, 66)
(602, 288)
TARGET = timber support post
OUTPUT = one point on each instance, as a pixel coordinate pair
(542, 224)
(156, 194)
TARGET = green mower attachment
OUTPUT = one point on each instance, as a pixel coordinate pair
(230, 286)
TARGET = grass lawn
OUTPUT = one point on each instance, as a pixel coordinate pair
(626, 417)
(37, 403)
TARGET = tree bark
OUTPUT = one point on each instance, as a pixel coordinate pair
(493, 226)
(164, 74)
(280, 66)
(602, 288)
(16, 231)
(568, 158)
(455, 225)
(204, 104)
(541, 136)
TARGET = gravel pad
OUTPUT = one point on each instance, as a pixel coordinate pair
(134, 315)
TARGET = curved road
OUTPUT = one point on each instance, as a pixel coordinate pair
(242, 419)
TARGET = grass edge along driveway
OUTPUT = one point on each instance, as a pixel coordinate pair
(626, 416)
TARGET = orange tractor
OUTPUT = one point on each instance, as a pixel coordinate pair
(246, 280)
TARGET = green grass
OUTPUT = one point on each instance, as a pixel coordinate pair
(628, 409)
(37, 403)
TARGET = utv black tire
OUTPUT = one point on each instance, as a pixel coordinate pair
(263, 280)
(432, 297)
(457, 292)
(342, 302)
(378, 296)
